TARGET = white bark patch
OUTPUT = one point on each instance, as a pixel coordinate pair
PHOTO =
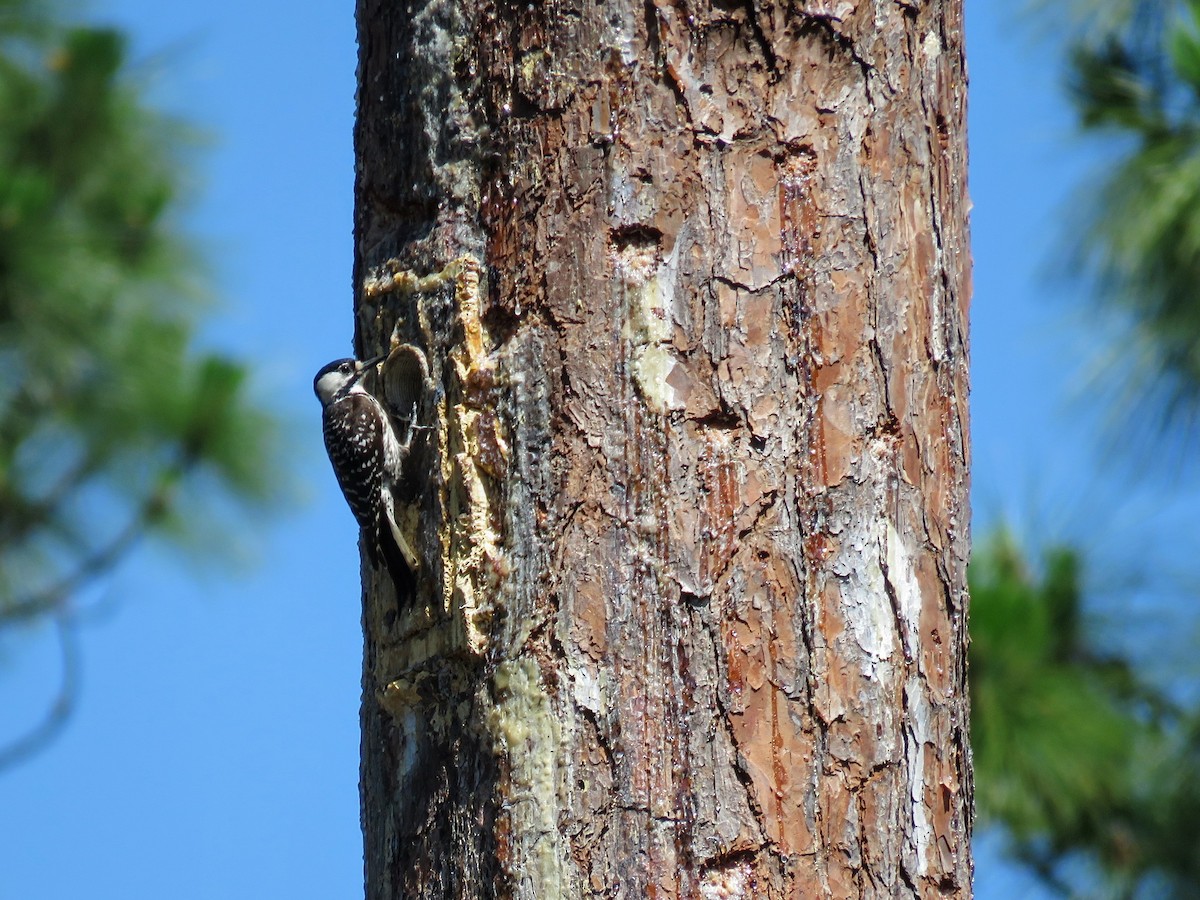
(931, 48)
(907, 590)
(621, 35)
(650, 292)
(918, 736)
(837, 11)
(931, 57)
(587, 688)
(653, 369)
(408, 723)
(732, 881)
(525, 728)
(869, 616)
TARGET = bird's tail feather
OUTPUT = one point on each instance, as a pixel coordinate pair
(393, 559)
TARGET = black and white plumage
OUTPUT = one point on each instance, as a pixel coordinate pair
(367, 458)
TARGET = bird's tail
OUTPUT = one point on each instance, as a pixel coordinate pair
(388, 550)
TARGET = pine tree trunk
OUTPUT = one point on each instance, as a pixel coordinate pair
(690, 505)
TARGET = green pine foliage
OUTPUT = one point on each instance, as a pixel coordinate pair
(1091, 770)
(109, 414)
(1139, 236)
(1076, 757)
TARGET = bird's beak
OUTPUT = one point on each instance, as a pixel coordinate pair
(367, 365)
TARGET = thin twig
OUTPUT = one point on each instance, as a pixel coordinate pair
(60, 709)
(40, 511)
(54, 597)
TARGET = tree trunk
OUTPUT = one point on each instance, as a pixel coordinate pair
(690, 498)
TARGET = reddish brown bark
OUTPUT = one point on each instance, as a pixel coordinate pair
(692, 512)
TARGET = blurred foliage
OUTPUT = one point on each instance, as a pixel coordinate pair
(1091, 19)
(1137, 81)
(1090, 768)
(112, 424)
(1076, 756)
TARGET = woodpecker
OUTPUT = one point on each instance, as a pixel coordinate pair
(367, 458)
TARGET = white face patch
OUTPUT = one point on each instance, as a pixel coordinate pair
(330, 383)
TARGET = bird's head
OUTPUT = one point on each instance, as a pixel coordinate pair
(340, 377)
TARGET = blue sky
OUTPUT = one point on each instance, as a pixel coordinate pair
(215, 751)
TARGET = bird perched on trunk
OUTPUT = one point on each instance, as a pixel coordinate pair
(367, 459)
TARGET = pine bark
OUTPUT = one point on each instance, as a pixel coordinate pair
(690, 498)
